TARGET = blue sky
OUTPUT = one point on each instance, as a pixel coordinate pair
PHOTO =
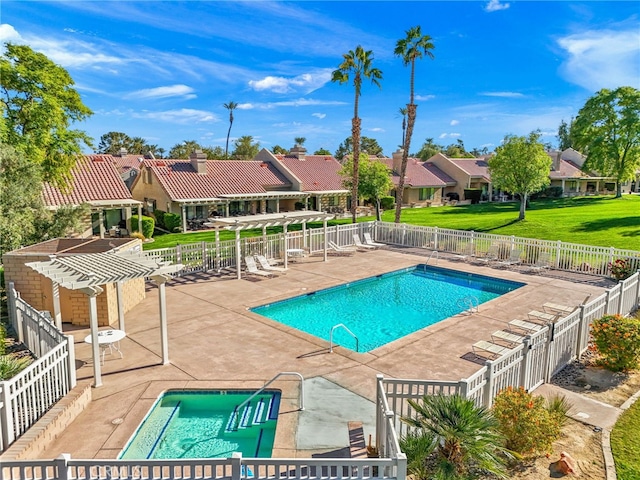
(162, 70)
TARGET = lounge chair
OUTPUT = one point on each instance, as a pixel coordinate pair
(264, 263)
(492, 349)
(360, 245)
(524, 326)
(543, 317)
(490, 256)
(253, 269)
(369, 241)
(468, 253)
(345, 251)
(565, 309)
(541, 264)
(514, 259)
(505, 336)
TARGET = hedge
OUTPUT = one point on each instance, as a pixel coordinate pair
(148, 225)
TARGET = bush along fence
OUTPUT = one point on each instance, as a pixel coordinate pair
(32, 392)
(530, 364)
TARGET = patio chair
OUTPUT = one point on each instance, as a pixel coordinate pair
(541, 264)
(514, 259)
(491, 255)
(253, 269)
(468, 253)
(344, 251)
(360, 245)
(543, 317)
(488, 348)
(508, 337)
(264, 263)
(524, 326)
(369, 241)
(564, 309)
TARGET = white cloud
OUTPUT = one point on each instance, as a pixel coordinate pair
(183, 115)
(454, 122)
(319, 115)
(376, 129)
(599, 59)
(425, 97)
(9, 34)
(502, 94)
(449, 135)
(495, 5)
(301, 102)
(306, 82)
(164, 92)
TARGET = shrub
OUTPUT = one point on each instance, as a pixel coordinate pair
(621, 268)
(159, 216)
(137, 235)
(472, 194)
(617, 340)
(3, 339)
(11, 366)
(387, 202)
(529, 424)
(172, 222)
(148, 224)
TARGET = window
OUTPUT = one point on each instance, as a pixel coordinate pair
(332, 201)
(426, 193)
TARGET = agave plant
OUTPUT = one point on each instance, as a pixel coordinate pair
(11, 365)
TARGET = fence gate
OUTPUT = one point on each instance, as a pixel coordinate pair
(535, 359)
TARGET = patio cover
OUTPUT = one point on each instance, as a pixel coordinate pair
(88, 272)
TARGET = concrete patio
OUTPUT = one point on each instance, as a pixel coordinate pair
(215, 342)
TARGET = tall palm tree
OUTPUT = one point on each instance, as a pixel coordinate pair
(403, 111)
(413, 46)
(357, 64)
(300, 141)
(231, 106)
(464, 438)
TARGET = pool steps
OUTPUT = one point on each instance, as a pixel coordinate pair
(266, 409)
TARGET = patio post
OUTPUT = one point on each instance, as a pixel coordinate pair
(286, 244)
(92, 293)
(160, 280)
(325, 239)
(216, 265)
(101, 220)
(120, 298)
(57, 315)
(238, 255)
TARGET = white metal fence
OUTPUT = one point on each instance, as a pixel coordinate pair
(30, 394)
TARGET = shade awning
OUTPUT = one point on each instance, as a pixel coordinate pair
(269, 220)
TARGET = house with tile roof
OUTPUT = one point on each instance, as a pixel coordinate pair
(198, 189)
(425, 184)
(468, 173)
(566, 172)
(96, 182)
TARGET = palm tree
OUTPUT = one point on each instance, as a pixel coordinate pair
(463, 437)
(299, 141)
(403, 111)
(413, 46)
(356, 64)
(231, 106)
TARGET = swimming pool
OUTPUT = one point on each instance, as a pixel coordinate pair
(206, 424)
(381, 309)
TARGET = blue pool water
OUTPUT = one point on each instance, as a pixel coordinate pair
(206, 424)
(381, 309)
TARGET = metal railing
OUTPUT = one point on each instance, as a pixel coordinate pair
(344, 327)
(262, 389)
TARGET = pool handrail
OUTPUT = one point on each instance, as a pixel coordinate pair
(341, 325)
(435, 252)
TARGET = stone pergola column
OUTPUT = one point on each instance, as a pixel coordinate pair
(92, 293)
(160, 280)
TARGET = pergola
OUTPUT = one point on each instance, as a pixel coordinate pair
(86, 273)
(269, 220)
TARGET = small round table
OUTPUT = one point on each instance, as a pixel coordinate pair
(108, 340)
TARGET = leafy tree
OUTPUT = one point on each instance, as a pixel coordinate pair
(429, 149)
(520, 166)
(370, 146)
(607, 130)
(111, 143)
(185, 149)
(564, 135)
(245, 148)
(374, 182)
(356, 64)
(39, 105)
(463, 438)
(278, 150)
(412, 47)
(322, 151)
(457, 150)
(478, 152)
(231, 106)
(403, 112)
(299, 141)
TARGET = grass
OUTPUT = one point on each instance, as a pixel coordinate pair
(599, 221)
(625, 444)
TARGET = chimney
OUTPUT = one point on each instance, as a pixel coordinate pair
(122, 152)
(199, 162)
(556, 160)
(397, 160)
(298, 151)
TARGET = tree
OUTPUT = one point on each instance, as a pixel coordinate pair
(520, 166)
(374, 179)
(245, 148)
(185, 149)
(478, 152)
(368, 145)
(231, 106)
(457, 150)
(356, 64)
(412, 47)
(113, 142)
(277, 149)
(429, 149)
(403, 111)
(607, 130)
(39, 105)
(299, 141)
(322, 151)
(463, 438)
(564, 135)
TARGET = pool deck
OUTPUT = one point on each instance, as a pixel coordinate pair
(215, 342)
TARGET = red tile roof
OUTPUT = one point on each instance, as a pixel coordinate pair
(93, 178)
(474, 167)
(420, 174)
(181, 181)
(127, 162)
(316, 172)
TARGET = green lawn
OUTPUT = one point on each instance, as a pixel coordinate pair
(601, 221)
(625, 443)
